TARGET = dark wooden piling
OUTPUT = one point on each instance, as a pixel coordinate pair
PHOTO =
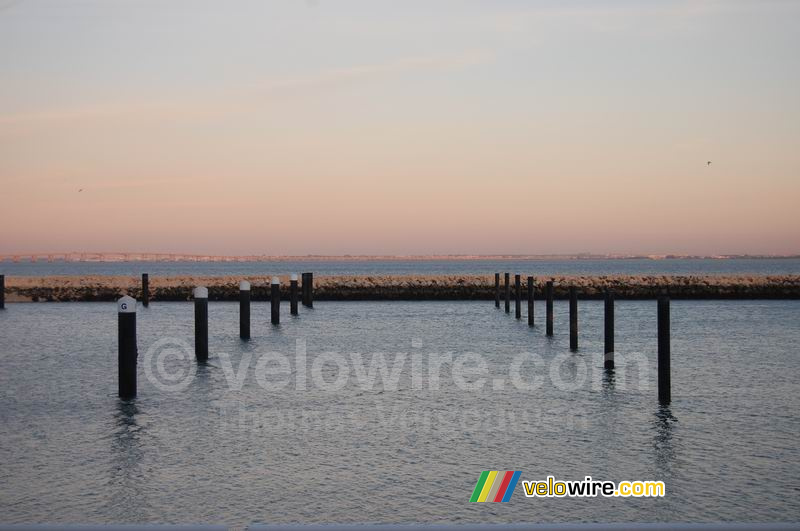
(517, 297)
(2, 292)
(308, 290)
(201, 323)
(293, 295)
(244, 309)
(608, 358)
(507, 287)
(530, 301)
(497, 290)
(127, 351)
(548, 293)
(275, 301)
(573, 318)
(664, 392)
(145, 290)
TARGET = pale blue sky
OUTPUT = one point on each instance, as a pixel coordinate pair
(404, 117)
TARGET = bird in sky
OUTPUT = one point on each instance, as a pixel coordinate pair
(80, 190)
(708, 163)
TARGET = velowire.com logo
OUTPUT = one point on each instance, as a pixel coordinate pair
(495, 486)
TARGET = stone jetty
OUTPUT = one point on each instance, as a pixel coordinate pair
(401, 287)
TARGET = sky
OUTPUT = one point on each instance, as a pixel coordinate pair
(400, 127)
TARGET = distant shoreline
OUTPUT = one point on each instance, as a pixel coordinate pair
(180, 257)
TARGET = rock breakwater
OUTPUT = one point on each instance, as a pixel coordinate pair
(402, 287)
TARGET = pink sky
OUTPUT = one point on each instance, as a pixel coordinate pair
(291, 128)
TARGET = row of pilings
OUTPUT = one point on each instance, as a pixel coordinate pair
(662, 309)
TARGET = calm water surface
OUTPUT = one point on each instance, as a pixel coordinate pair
(781, 266)
(405, 452)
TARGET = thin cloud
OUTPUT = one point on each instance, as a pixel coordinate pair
(337, 75)
(8, 4)
(237, 99)
(626, 16)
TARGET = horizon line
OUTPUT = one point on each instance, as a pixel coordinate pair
(81, 256)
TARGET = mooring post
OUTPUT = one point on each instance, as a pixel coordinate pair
(548, 293)
(145, 290)
(293, 294)
(573, 318)
(518, 297)
(304, 289)
(311, 290)
(530, 301)
(201, 323)
(2, 292)
(497, 290)
(664, 394)
(126, 357)
(244, 309)
(308, 290)
(507, 287)
(275, 295)
(608, 360)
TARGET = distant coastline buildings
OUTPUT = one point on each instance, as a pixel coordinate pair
(180, 257)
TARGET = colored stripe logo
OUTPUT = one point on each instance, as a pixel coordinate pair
(495, 486)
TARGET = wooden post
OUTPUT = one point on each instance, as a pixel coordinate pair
(518, 297)
(507, 279)
(608, 360)
(573, 318)
(308, 290)
(497, 290)
(201, 323)
(2, 292)
(530, 301)
(244, 309)
(127, 352)
(664, 393)
(311, 290)
(548, 293)
(293, 294)
(145, 290)
(275, 306)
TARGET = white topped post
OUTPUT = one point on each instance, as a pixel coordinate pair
(200, 292)
(127, 352)
(126, 304)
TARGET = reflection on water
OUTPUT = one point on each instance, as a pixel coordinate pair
(662, 442)
(126, 435)
(127, 455)
(72, 452)
(609, 378)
